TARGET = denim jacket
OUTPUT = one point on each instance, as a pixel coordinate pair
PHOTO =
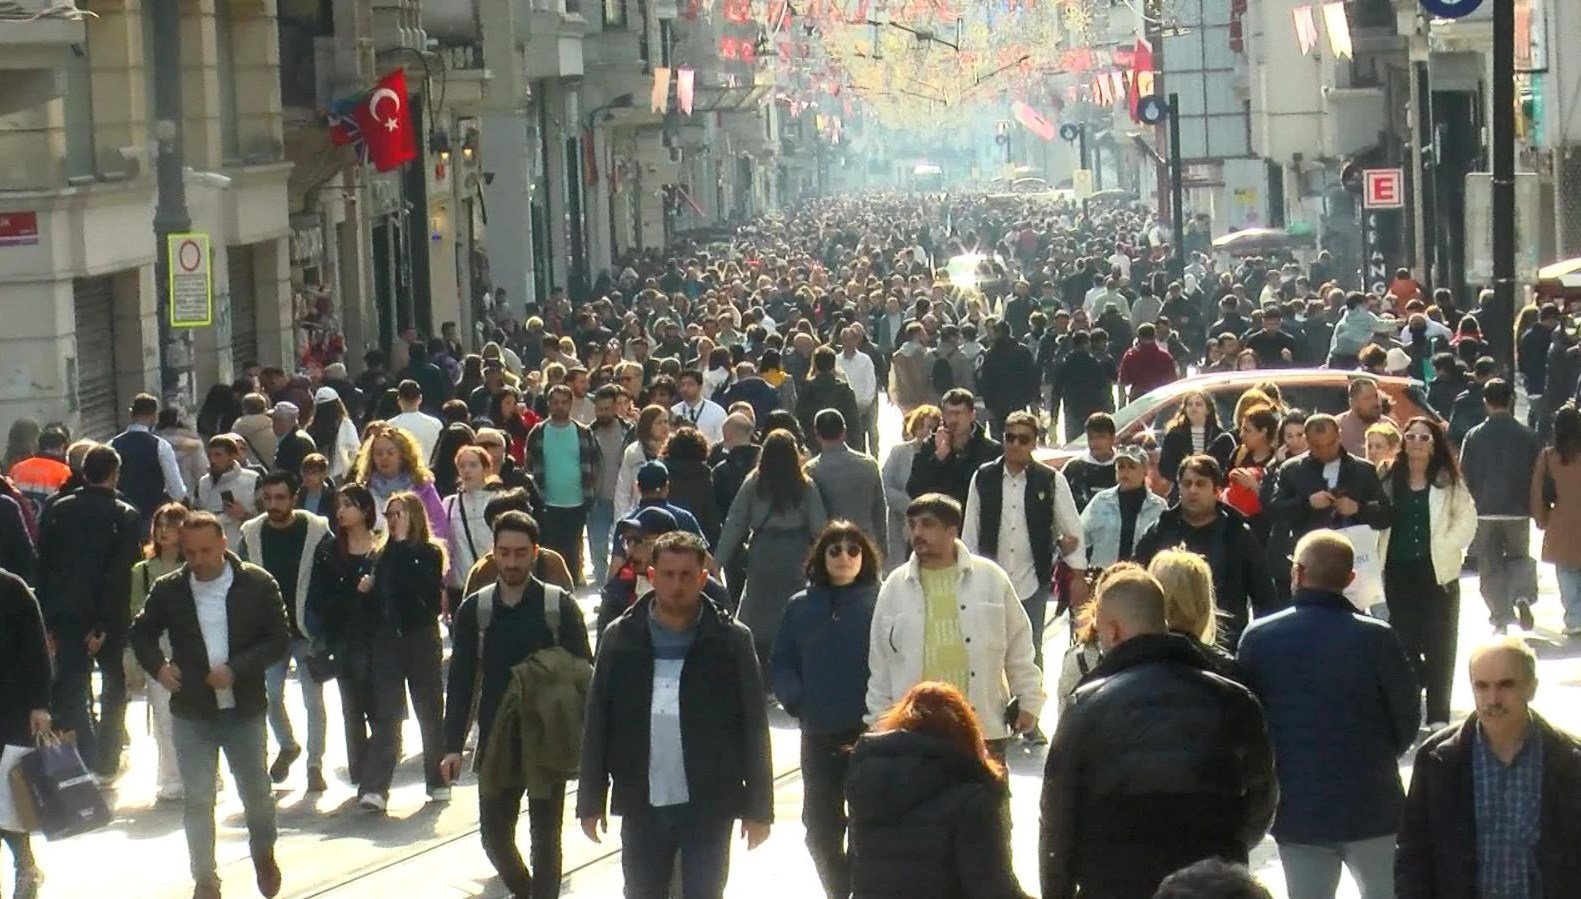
(1100, 523)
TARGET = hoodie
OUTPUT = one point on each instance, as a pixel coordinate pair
(1353, 331)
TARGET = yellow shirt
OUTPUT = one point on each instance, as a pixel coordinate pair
(943, 647)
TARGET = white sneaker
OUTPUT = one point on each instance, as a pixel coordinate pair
(372, 802)
(439, 794)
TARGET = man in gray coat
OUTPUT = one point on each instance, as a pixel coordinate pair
(848, 480)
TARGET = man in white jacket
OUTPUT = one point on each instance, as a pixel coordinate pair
(947, 615)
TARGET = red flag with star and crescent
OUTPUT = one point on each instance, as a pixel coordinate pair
(385, 123)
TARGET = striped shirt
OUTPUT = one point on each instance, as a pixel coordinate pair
(1508, 802)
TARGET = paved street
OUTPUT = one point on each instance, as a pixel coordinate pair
(329, 848)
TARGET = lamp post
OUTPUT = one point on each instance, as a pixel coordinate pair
(170, 208)
(1503, 186)
(590, 134)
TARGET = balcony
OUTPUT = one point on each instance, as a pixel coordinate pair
(31, 54)
(554, 38)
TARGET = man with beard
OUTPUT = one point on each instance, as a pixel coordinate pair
(515, 617)
(960, 446)
(1366, 409)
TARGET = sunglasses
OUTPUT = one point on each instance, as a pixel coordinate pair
(850, 549)
(1418, 437)
(1015, 437)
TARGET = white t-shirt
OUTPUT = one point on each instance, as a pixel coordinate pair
(214, 622)
(708, 417)
(424, 427)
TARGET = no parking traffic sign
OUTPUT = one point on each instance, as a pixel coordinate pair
(191, 280)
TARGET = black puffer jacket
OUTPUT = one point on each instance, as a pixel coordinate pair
(926, 822)
(24, 661)
(1157, 764)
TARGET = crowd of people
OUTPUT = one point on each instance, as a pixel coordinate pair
(1263, 600)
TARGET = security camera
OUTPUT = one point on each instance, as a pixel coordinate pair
(212, 180)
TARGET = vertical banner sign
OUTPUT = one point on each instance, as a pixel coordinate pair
(191, 281)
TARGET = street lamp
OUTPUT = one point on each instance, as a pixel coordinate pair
(623, 101)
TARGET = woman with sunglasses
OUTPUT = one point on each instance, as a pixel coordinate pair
(1432, 521)
(819, 672)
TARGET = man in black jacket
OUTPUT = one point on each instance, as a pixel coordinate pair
(676, 724)
(1199, 523)
(1157, 764)
(1082, 385)
(515, 627)
(226, 625)
(960, 447)
(1450, 847)
(1325, 487)
(89, 542)
(1008, 378)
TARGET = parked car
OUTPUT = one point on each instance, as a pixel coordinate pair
(1311, 389)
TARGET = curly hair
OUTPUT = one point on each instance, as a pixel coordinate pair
(405, 444)
(686, 444)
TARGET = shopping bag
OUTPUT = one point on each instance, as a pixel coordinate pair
(61, 790)
(16, 812)
(1366, 590)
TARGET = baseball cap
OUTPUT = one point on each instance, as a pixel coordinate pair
(285, 410)
(650, 521)
(652, 475)
(325, 395)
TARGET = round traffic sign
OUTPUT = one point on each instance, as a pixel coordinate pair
(1450, 9)
(1069, 131)
(189, 256)
(1151, 109)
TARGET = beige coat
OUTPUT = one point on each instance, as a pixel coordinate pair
(1560, 523)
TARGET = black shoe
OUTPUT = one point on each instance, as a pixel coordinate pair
(1523, 614)
(315, 781)
(1035, 737)
(281, 769)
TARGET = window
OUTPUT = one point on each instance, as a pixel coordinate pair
(225, 61)
(615, 13)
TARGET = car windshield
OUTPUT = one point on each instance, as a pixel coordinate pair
(1128, 413)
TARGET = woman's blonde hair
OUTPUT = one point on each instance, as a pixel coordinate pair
(417, 532)
(405, 444)
(919, 415)
(1189, 606)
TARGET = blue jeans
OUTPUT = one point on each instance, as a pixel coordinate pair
(650, 840)
(312, 700)
(600, 525)
(198, 744)
(1312, 869)
(1037, 611)
(1570, 595)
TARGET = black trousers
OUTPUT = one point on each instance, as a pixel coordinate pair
(1426, 617)
(497, 817)
(562, 531)
(825, 758)
(112, 704)
(421, 663)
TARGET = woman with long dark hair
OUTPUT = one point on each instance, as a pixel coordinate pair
(1556, 505)
(1194, 429)
(515, 418)
(333, 433)
(1249, 465)
(819, 673)
(779, 511)
(339, 609)
(927, 804)
(1432, 521)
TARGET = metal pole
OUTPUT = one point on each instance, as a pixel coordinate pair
(1502, 314)
(170, 210)
(1081, 138)
(1177, 187)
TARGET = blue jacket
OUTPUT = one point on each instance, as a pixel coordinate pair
(819, 669)
(1342, 707)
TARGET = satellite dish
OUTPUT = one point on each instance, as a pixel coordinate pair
(1151, 109)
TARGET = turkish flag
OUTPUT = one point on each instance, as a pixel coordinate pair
(385, 123)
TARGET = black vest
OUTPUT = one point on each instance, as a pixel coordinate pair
(1040, 514)
(142, 479)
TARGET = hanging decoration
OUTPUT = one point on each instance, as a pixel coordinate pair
(659, 101)
(685, 82)
(1306, 29)
(1032, 120)
(1338, 29)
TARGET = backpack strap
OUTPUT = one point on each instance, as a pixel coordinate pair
(466, 526)
(552, 594)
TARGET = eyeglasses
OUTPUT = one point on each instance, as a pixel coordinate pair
(1418, 437)
(850, 549)
(1015, 437)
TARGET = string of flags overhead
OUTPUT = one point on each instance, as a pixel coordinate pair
(685, 89)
